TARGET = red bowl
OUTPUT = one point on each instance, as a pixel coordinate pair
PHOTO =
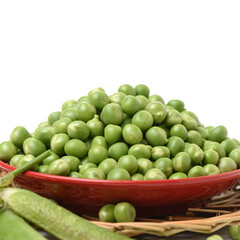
(151, 198)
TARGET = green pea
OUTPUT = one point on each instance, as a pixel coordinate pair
(86, 166)
(43, 169)
(179, 130)
(43, 124)
(160, 152)
(218, 134)
(228, 145)
(117, 150)
(15, 160)
(78, 130)
(155, 97)
(158, 111)
(215, 146)
(194, 137)
(172, 117)
(140, 151)
(58, 142)
(226, 164)
(33, 146)
(76, 148)
(124, 212)
(97, 154)
(83, 99)
(118, 174)
(132, 134)
(235, 155)
(128, 162)
(117, 97)
(214, 237)
(112, 113)
(62, 124)
(211, 169)
(26, 159)
(181, 162)
(96, 89)
(187, 113)
(127, 89)
(94, 173)
(154, 174)
(7, 151)
(234, 232)
(107, 165)
(53, 117)
(236, 141)
(112, 133)
(203, 132)
(72, 161)
(59, 167)
(143, 119)
(18, 136)
(156, 136)
(106, 213)
(85, 111)
(75, 175)
(50, 159)
(178, 175)
(95, 126)
(142, 89)
(143, 101)
(210, 157)
(98, 99)
(144, 165)
(175, 145)
(137, 177)
(126, 120)
(70, 113)
(176, 104)
(99, 140)
(189, 123)
(196, 171)
(130, 105)
(165, 165)
(195, 152)
(69, 103)
(44, 135)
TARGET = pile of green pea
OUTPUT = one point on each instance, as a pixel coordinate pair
(129, 135)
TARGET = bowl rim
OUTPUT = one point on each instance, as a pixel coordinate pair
(211, 179)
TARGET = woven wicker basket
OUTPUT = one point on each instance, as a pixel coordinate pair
(214, 214)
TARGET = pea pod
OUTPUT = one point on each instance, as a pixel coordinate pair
(21, 230)
(53, 218)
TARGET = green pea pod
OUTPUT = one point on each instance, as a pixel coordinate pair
(53, 218)
(13, 227)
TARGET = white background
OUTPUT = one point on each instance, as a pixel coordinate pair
(52, 51)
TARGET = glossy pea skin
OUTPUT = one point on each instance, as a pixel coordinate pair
(128, 162)
(26, 159)
(218, 133)
(130, 105)
(99, 140)
(210, 157)
(50, 159)
(43, 169)
(144, 165)
(143, 119)
(228, 145)
(112, 113)
(53, 117)
(178, 175)
(85, 111)
(140, 151)
(76, 148)
(61, 125)
(226, 164)
(94, 173)
(142, 89)
(112, 133)
(124, 212)
(176, 104)
(69, 103)
(179, 130)
(234, 232)
(214, 237)
(181, 162)
(132, 134)
(58, 142)
(194, 137)
(235, 155)
(72, 161)
(117, 97)
(70, 113)
(127, 89)
(196, 171)
(143, 101)
(175, 145)
(172, 117)
(107, 165)
(98, 99)
(59, 167)
(86, 166)
(97, 154)
(189, 123)
(203, 132)
(18, 136)
(7, 151)
(44, 135)
(15, 159)
(118, 174)
(195, 152)
(211, 169)
(117, 150)
(106, 213)
(215, 146)
(156, 136)
(78, 130)
(154, 174)
(158, 111)
(75, 175)
(165, 165)
(137, 177)
(33, 146)
(95, 127)
(187, 113)
(155, 97)
(160, 152)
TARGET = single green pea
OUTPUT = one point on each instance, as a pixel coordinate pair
(85, 111)
(75, 175)
(124, 212)
(211, 169)
(112, 113)
(33, 146)
(234, 232)
(58, 142)
(195, 152)
(226, 164)
(179, 130)
(117, 150)
(72, 161)
(214, 237)
(137, 177)
(99, 140)
(203, 132)
(95, 127)
(106, 213)
(218, 133)
(43, 124)
(132, 134)
(143, 101)
(94, 173)
(86, 166)
(26, 159)
(228, 145)
(235, 155)
(144, 165)
(53, 117)
(194, 137)
(69, 103)
(76, 148)
(155, 97)
(181, 162)
(7, 151)
(44, 135)
(62, 124)
(15, 160)
(189, 123)
(196, 171)
(210, 157)
(59, 167)
(160, 152)
(140, 151)
(83, 99)
(98, 99)
(118, 174)
(165, 165)
(127, 89)
(142, 89)
(107, 165)
(78, 130)
(175, 145)
(43, 169)
(128, 162)
(97, 154)
(176, 104)
(112, 133)
(156, 136)
(18, 136)
(172, 117)
(178, 175)
(96, 89)
(70, 113)
(130, 105)
(191, 114)
(236, 141)
(154, 174)
(50, 159)
(117, 97)
(158, 111)
(143, 119)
